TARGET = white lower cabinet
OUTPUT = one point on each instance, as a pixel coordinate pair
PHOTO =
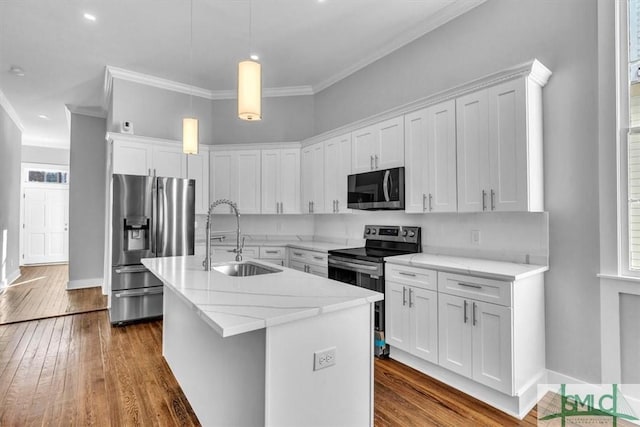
(309, 261)
(228, 253)
(475, 341)
(273, 254)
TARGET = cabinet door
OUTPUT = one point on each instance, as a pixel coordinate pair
(424, 324)
(337, 166)
(313, 179)
(472, 128)
(270, 181)
(132, 158)
(364, 147)
(169, 161)
(441, 158)
(247, 179)
(508, 147)
(290, 180)
(492, 355)
(198, 169)
(390, 150)
(397, 316)
(223, 169)
(415, 162)
(454, 334)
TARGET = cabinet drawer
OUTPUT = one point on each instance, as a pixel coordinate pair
(418, 277)
(227, 253)
(296, 265)
(478, 288)
(308, 257)
(271, 252)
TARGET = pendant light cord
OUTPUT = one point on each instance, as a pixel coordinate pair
(191, 56)
(250, 28)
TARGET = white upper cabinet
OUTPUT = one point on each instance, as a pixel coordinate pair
(169, 161)
(430, 159)
(235, 175)
(313, 178)
(337, 166)
(149, 158)
(198, 169)
(281, 181)
(500, 148)
(379, 146)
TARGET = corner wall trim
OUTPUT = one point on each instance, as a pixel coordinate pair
(85, 283)
(12, 277)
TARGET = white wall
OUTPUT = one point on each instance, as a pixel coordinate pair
(497, 35)
(52, 156)
(86, 201)
(10, 140)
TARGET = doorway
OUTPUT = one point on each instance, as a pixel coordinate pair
(44, 214)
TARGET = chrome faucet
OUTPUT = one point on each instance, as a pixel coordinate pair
(238, 249)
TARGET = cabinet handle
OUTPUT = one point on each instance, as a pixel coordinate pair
(404, 273)
(424, 202)
(297, 253)
(404, 296)
(309, 206)
(469, 285)
(319, 258)
(484, 204)
(465, 311)
(281, 207)
(430, 198)
(149, 171)
(271, 252)
(337, 206)
(410, 299)
(493, 203)
(376, 157)
(474, 314)
(371, 158)
(154, 171)
(313, 207)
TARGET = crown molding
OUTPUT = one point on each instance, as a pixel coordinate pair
(440, 18)
(97, 112)
(4, 102)
(533, 70)
(112, 73)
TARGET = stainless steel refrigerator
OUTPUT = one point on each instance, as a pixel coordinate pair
(151, 217)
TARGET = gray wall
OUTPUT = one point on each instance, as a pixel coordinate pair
(157, 113)
(87, 198)
(497, 35)
(53, 156)
(10, 141)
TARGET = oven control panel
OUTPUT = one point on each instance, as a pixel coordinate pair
(392, 233)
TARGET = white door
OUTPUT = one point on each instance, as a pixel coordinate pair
(390, 152)
(337, 166)
(415, 162)
(313, 179)
(454, 334)
(472, 129)
(364, 147)
(132, 158)
(290, 180)
(492, 355)
(46, 224)
(247, 180)
(270, 181)
(222, 184)
(169, 161)
(424, 323)
(198, 169)
(397, 324)
(441, 158)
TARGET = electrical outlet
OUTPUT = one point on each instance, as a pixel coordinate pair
(475, 237)
(324, 358)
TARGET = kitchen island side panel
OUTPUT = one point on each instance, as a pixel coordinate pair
(223, 378)
(338, 395)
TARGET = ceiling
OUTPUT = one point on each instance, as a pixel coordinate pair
(307, 44)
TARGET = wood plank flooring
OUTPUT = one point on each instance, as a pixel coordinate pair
(40, 292)
(79, 370)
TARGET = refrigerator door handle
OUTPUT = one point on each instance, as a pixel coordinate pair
(155, 220)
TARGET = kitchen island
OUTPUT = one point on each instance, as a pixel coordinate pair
(279, 349)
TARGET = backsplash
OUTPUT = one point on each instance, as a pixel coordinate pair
(258, 226)
(504, 236)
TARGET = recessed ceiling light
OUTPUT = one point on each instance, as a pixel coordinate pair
(254, 57)
(16, 70)
(43, 116)
(89, 17)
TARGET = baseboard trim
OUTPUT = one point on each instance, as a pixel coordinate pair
(12, 277)
(85, 283)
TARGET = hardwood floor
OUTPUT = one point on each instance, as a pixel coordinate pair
(79, 370)
(40, 292)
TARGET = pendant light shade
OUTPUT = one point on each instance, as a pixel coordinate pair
(189, 135)
(249, 90)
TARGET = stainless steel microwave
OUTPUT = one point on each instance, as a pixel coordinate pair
(381, 189)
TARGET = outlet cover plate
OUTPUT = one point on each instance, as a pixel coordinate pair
(324, 358)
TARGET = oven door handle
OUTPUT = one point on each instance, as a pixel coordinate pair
(141, 293)
(353, 266)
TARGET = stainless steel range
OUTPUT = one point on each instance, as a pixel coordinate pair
(364, 266)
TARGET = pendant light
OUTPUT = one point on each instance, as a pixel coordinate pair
(250, 83)
(190, 124)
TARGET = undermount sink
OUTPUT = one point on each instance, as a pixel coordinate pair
(244, 269)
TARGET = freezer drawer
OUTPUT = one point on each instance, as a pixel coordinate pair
(136, 304)
(132, 277)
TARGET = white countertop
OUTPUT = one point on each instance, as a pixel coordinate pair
(311, 245)
(498, 270)
(235, 305)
